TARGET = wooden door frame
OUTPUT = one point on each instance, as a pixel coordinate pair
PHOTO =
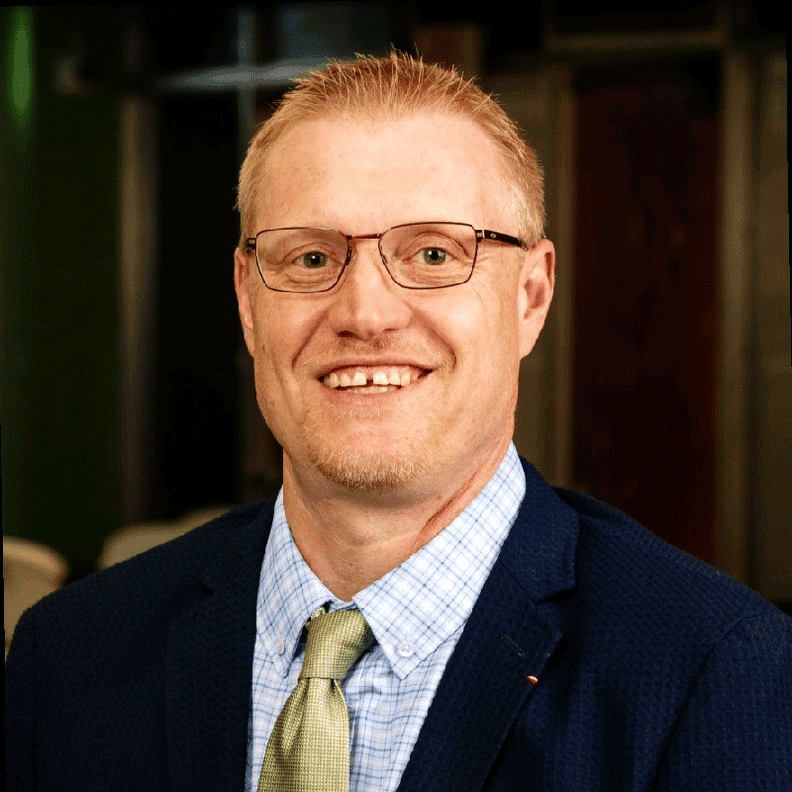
(733, 544)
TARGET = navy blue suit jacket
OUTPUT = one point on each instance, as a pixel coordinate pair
(596, 658)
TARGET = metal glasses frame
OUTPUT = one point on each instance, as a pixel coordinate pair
(482, 234)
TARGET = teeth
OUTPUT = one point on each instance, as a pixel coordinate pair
(377, 381)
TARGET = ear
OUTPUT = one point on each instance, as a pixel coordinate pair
(536, 284)
(245, 287)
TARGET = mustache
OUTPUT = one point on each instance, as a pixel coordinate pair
(430, 356)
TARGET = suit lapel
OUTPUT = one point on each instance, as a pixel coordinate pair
(209, 666)
(508, 638)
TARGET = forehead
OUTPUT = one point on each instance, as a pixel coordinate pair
(362, 176)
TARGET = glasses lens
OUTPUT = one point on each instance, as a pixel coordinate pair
(430, 255)
(300, 259)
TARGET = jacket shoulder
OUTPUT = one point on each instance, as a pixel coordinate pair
(141, 587)
(660, 596)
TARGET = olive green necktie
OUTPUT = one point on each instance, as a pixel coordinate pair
(308, 750)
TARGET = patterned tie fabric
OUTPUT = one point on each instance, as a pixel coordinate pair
(308, 750)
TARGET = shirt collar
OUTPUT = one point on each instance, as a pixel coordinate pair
(415, 607)
(289, 592)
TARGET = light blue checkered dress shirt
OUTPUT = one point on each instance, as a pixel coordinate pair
(416, 612)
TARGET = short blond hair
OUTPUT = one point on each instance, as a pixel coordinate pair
(389, 88)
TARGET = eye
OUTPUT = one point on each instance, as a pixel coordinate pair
(312, 260)
(434, 255)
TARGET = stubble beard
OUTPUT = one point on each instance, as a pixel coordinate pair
(357, 469)
(357, 466)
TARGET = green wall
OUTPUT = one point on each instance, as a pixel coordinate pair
(58, 256)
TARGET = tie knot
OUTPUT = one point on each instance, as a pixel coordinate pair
(335, 642)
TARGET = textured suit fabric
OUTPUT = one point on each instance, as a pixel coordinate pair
(652, 671)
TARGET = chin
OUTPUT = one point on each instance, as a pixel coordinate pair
(368, 471)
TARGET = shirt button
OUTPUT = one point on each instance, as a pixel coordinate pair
(280, 648)
(404, 649)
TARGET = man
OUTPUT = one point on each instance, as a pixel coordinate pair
(391, 275)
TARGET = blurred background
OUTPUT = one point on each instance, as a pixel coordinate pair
(661, 383)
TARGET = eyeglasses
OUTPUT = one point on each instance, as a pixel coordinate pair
(416, 255)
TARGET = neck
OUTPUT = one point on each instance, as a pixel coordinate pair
(349, 540)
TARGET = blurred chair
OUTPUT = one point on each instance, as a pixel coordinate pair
(134, 539)
(30, 572)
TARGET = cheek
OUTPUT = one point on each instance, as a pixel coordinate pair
(278, 401)
(481, 326)
(271, 354)
(283, 331)
(266, 382)
(500, 356)
(491, 323)
(277, 328)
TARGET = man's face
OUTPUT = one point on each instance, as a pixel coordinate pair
(459, 347)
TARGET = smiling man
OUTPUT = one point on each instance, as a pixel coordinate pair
(417, 609)
(373, 469)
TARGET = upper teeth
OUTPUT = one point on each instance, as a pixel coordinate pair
(352, 378)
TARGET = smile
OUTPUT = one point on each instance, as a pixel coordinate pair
(371, 379)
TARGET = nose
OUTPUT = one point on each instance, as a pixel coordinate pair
(367, 302)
